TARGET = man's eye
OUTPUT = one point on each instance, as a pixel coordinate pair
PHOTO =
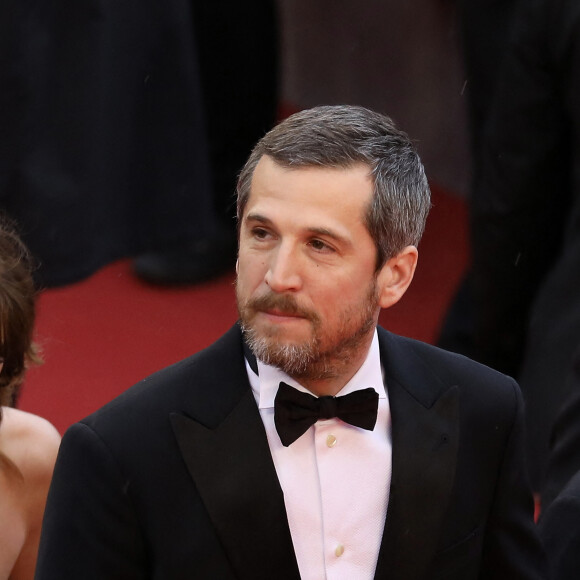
(320, 246)
(260, 233)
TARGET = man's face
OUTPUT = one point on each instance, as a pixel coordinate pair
(306, 286)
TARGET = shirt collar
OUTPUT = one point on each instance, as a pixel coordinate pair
(265, 383)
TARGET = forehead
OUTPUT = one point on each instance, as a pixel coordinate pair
(334, 192)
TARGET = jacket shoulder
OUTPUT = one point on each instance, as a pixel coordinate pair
(427, 371)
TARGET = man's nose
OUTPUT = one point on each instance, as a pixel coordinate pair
(283, 273)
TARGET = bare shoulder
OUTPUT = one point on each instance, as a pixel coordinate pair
(29, 441)
(28, 447)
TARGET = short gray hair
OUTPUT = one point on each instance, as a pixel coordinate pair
(342, 136)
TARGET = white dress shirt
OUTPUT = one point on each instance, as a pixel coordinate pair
(335, 479)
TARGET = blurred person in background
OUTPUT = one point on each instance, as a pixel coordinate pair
(115, 117)
(525, 213)
(526, 217)
(28, 444)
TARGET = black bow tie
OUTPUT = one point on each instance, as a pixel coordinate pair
(295, 412)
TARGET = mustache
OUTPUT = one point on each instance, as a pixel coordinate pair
(285, 303)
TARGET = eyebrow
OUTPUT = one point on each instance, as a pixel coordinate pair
(256, 217)
(329, 234)
(318, 231)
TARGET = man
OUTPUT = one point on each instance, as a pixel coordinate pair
(217, 467)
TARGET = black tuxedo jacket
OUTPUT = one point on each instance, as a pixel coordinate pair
(174, 479)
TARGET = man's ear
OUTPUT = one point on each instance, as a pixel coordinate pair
(395, 276)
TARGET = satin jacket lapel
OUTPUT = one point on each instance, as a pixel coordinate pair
(425, 433)
(233, 471)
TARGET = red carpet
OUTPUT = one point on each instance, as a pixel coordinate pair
(105, 333)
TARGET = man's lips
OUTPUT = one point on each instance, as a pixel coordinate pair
(275, 313)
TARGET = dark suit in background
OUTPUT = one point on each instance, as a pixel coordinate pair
(560, 518)
(108, 134)
(560, 531)
(485, 27)
(174, 479)
(239, 67)
(564, 460)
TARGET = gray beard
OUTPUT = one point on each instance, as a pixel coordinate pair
(293, 359)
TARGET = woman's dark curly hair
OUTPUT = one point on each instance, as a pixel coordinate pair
(17, 312)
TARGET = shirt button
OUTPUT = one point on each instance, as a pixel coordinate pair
(331, 441)
(339, 550)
